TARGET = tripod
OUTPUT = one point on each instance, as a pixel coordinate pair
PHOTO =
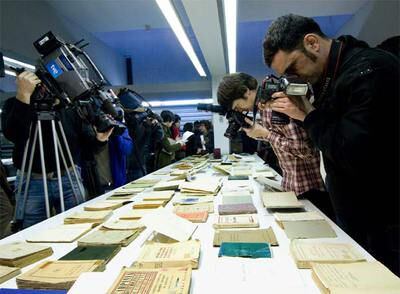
(47, 115)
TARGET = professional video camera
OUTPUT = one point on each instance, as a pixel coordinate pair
(64, 75)
(290, 85)
(236, 120)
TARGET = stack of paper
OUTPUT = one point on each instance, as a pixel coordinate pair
(194, 217)
(7, 273)
(148, 204)
(248, 236)
(109, 237)
(162, 255)
(61, 234)
(122, 225)
(164, 280)
(236, 221)
(297, 216)
(158, 195)
(60, 274)
(207, 206)
(134, 214)
(104, 252)
(243, 208)
(281, 200)
(170, 185)
(93, 217)
(359, 277)
(169, 224)
(104, 205)
(304, 253)
(19, 254)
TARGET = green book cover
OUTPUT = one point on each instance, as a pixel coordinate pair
(238, 178)
(252, 250)
(236, 199)
(105, 253)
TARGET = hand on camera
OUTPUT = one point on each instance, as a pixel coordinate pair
(256, 130)
(295, 107)
(103, 137)
(26, 84)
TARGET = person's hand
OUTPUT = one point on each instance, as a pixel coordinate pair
(256, 130)
(296, 108)
(26, 84)
(103, 137)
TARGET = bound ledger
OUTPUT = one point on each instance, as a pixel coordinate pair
(237, 199)
(297, 216)
(162, 255)
(20, 254)
(7, 273)
(171, 185)
(281, 200)
(248, 236)
(251, 250)
(109, 237)
(94, 217)
(152, 281)
(308, 229)
(60, 274)
(359, 277)
(61, 234)
(148, 204)
(236, 221)
(243, 208)
(105, 253)
(304, 253)
(158, 195)
(208, 206)
(104, 205)
(194, 217)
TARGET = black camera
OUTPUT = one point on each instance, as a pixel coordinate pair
(236, 120)
(290, 85)
(65, 75)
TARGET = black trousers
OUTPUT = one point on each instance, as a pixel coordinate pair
(321, 200)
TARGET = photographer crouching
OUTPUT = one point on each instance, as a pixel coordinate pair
(19, 116)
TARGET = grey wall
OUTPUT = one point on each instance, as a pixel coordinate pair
(22, 22)
(375, 22)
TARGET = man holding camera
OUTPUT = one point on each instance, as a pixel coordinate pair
(298, 158)
(356, 105)
(17, 116)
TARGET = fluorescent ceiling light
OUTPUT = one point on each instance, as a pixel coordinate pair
(15, 63)
(10, 72)
(173, 20)
(177, 102)
(230, 12)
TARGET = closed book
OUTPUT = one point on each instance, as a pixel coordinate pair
(152, 281)
(148, 204)
(61, 233)
(134, 214)
(94, 217)
(59, 274)
(305, 252)
(104, 205)
(122, 225)
(170, 185)
(109, 237)
(359, 277)
(251, 250)
(7, 272)
(30, 291)
(237, 178)
(162, 255)
(245, 208)
(308, 229)
(158, 195)
(20, 254)
(236, 221)
(245, 236)
(237, 199)
(194, 217)
(281, 200)
(207, 206)
(105, 253)
(297, 216)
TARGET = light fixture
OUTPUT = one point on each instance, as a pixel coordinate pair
(230, 13)
(176, 102)
(173, 20)
(15, 63)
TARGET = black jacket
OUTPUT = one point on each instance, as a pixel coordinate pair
(356, 127)
(16, 119)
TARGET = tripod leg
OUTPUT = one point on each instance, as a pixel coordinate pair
(21, 210)
(24, 162)
(60, 187)
(46, 193)
(80, 185)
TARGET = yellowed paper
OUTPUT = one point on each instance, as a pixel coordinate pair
(61, 233)
(237, 221)
(248, 236)
(281, 200)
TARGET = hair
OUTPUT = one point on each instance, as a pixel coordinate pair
(206, 123)
(233, 87)
(167, 116)
(188, 127)
(391, 45)
(286, 33)
(177, 118)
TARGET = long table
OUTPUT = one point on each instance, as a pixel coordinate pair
(278, 274)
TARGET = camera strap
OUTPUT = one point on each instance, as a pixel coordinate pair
(331, 68)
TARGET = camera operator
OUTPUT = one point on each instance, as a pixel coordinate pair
(298, 158)
(206, 143)
(17, 116)
(165, 153)
(354, 122)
